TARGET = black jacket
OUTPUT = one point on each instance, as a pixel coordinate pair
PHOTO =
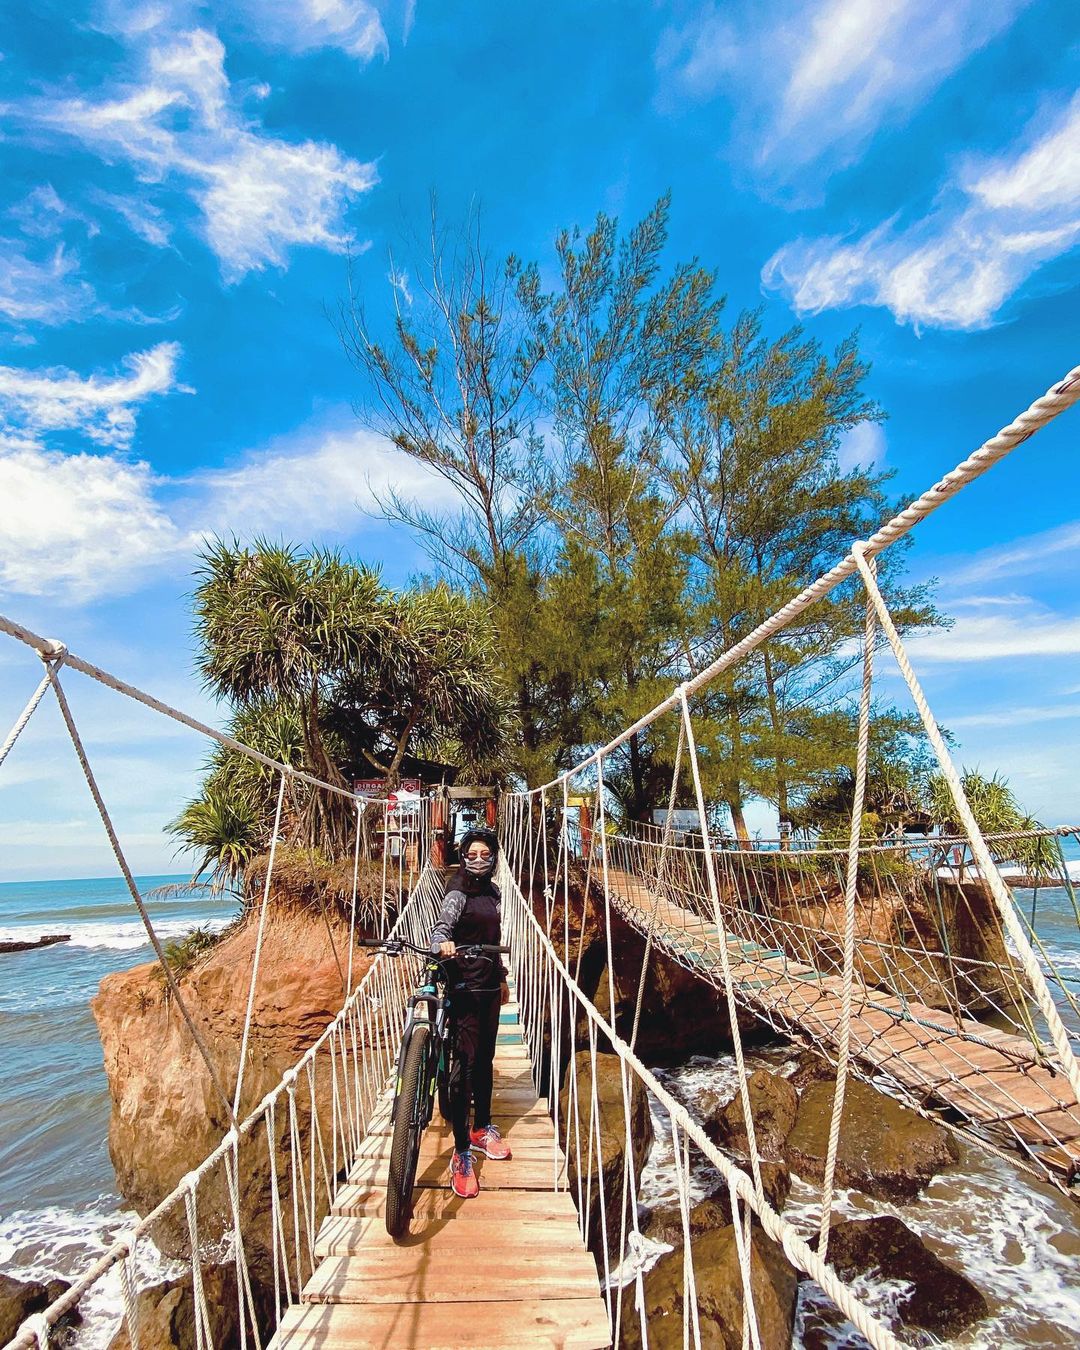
(472, 913)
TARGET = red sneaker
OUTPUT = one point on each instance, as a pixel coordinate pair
(463, 1180)
(491, 1144)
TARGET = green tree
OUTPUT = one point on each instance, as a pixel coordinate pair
(756, 464)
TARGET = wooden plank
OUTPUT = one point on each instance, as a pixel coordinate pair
(563, 1324)
(394, 1275)
(522, 1174)
(343, 1235)
(438, 1145)
(438, 1204)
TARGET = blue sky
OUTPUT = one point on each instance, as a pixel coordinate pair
(183, 184)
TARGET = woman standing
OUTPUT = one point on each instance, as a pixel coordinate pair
(471, 914)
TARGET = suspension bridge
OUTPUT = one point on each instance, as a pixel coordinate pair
(925, 977)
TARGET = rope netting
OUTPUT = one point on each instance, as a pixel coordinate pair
(873, 972)
(253, 1207)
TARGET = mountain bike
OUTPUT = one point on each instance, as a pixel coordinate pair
(424, 1064)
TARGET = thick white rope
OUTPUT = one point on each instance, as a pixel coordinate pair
(49, 649)
(122, 863)
(25, 716)
(987, 867)
(779, 1229)
(258, 947)
(843, 1051)
(725, 958)
(1044, 409)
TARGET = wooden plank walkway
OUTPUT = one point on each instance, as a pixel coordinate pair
(508, 1269)
(996, 1083)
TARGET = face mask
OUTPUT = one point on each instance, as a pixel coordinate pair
(479, 867)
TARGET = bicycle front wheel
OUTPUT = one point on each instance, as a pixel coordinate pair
(405, 1142)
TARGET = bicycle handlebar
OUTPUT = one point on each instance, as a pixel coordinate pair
(395, 946)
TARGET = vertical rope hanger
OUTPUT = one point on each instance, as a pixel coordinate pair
(118, 853)
(987, 867)
(850, 891)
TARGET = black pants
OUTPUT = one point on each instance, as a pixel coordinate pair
(475, 1018)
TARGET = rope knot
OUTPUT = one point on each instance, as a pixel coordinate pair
(189, 1182)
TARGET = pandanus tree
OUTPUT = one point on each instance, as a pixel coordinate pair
(328, 671)
(279, 625)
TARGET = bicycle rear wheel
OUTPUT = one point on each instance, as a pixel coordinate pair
(405, 1142)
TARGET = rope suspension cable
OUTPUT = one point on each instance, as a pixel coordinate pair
(122, 863)
(1043, 410)
(987, 867)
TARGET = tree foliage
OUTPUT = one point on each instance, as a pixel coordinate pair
(327, 671)
(641, 484)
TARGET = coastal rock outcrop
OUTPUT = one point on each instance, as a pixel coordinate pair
(20, 1299)
(611, 1152)
(664, 1224)
(166, 1312)
(718, 1278)
(938, 1299)
(885, 1149)
(774, 1105)
(166, 1116)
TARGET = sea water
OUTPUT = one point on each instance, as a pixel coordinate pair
(59, 1208)
(1015, 1236)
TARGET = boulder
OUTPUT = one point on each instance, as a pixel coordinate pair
(773, 1105)
(885, 1149)
(612, 1151)
(810, 1068)
(940, 1299)
(167, 1313)
(20, 1299)
(664, 1224)
(718, 1278)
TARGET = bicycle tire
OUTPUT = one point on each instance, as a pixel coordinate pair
(405, 1142)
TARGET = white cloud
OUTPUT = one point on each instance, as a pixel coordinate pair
(1017, 716)
(100, 407)
(81, 527)
(259, 195)
(1034, 553)
(998, 637)
(824, 76)
(957, 267)
(85, 525)
(316, 483)
(353, 26)
(863, 447)
(41, 290)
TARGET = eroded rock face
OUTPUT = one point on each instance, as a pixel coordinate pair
(612, 1150)
(774, 1104)
(166, 1117)
(681, 1014)
(167, 1313)
(885, 1149)
(940, 1300)
(719, 1295)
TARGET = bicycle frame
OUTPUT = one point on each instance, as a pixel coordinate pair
(431, 1005)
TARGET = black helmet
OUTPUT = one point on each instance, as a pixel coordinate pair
(479, 834)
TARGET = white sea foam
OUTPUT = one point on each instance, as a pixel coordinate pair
(49, 1243)
(119, 937)
(1013, 1236)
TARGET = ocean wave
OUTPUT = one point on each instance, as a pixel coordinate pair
(52, 1242)
(119, 937)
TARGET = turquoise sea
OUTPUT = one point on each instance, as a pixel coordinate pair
(59, 1207)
